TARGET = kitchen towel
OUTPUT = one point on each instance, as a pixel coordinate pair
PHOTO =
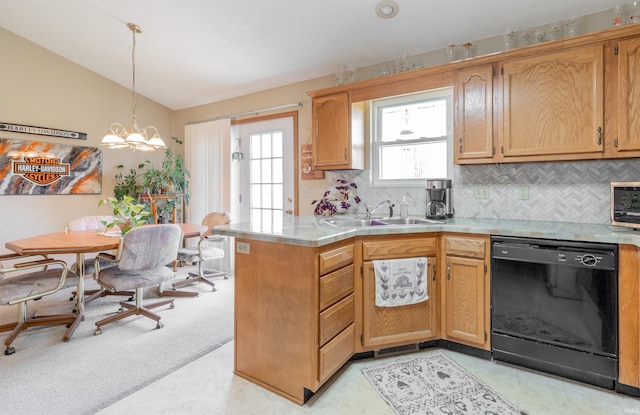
(400, 281)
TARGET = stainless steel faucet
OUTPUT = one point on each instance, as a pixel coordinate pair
(370, 211)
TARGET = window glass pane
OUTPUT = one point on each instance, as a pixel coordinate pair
(426, 119)
(266, 219)
(256, 215)
(266, 145)
(266, 195)
(255, 146)
(277, 170)
(278, 197)
(266, 171)
(277, 219)
(277, 144)
(256, 198)
(255, 171)
(413, 161)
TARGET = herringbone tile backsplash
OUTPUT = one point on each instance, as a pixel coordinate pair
(557, 191)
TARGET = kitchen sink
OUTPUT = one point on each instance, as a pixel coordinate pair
(362, 222)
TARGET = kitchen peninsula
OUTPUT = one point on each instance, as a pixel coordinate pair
(300, 306)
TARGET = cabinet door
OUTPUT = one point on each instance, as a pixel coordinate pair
(628, 138)
(393, 326)
(553, 105)
(331, 148)
(474, 115)
(465, 300)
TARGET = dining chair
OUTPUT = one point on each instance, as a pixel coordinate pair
(93, 223)
(204, 251)
(28, 278)
(140, 262)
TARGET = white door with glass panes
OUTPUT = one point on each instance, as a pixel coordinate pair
(262, 168)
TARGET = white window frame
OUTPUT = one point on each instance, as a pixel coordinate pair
(376, 142)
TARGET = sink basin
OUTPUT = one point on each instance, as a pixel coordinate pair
(362, 222)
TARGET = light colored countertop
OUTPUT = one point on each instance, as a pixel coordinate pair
(311, 231)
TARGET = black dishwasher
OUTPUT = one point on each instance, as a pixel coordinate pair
(554, 307)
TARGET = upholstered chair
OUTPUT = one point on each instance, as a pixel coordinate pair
(95, 224)
(140, 262)
(27, 278)
(205, 251)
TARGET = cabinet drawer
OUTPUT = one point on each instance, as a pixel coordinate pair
(465, 247)
(401, 248)
(335, 286)
(334, 319)
(335, 258)
(335, 353)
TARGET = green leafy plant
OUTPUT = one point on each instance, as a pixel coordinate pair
(128, 184)
(127, 213)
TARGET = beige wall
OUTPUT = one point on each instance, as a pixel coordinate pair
(38, 87)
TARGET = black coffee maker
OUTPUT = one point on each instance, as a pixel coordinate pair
(439, 204)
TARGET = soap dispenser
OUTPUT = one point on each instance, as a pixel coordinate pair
(404, 208)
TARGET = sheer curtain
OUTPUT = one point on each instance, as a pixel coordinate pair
(206, 155)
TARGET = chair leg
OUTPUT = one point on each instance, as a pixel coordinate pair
(133, 310)
(26, 320)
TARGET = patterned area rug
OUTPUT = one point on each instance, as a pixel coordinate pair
(433, 384)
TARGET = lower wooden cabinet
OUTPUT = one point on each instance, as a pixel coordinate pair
(393, 326)
(465, 290)
(384, 327)
(629, 315)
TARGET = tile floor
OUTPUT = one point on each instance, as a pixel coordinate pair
(208, 386)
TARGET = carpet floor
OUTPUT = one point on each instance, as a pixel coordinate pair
(90, 372)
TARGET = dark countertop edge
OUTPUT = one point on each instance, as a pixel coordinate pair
(529, 229)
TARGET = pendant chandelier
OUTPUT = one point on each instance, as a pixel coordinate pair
(145, 139)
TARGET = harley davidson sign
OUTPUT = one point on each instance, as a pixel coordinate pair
(37, 168)
(41, 170)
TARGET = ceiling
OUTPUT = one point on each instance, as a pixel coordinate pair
(193, 52)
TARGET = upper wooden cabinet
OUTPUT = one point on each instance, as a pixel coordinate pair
(623, 101)
(473, 134)
(338, 133)
(553, 105)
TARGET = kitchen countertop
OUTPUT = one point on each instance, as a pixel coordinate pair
(311, 231)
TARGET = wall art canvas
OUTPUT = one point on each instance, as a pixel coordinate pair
(39, 168)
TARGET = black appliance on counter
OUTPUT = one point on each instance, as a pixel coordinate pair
(439, 203)
(554, 307)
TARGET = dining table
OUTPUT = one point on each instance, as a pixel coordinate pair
(80, 243)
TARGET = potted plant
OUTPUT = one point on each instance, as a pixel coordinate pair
(127, 213)
(338, 198)
(128, 184)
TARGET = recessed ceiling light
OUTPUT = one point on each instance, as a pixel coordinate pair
(386, 9)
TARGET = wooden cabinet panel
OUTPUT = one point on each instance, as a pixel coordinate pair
(335, 353)
(335, 258)
(393, 326)
(629, 315)
(338, 132)
(400, 248)
(334, 319)
(465, 305)
(335, 286)
(628, 93)
(474, 114)
(553, 105)
(465, 247)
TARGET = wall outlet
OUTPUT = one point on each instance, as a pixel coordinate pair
(305, 192)
(481, 192)
(523, 192)
(243, 248)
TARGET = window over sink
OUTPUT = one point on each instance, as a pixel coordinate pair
(412, 138)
